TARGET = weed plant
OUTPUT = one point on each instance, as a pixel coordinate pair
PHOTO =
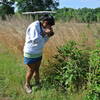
(74, 69)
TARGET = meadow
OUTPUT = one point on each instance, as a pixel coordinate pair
(12, 69)
(12, 34)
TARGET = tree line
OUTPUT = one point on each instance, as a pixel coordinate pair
(83, 15)
(7, 6)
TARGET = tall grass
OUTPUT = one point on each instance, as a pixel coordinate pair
(12, 34)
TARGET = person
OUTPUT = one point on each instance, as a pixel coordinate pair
(37, 34)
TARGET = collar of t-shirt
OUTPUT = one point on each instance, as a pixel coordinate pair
(42, 30)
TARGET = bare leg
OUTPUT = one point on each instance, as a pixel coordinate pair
(36, 73)
(29, 74)
(33, 69)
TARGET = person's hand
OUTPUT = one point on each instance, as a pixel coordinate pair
(49, 31)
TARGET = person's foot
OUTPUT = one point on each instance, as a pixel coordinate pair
(36, 87)
(28, 89)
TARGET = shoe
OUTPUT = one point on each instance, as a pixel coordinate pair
(28, 89)
(36, 87)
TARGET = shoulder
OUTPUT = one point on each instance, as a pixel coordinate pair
(33, 26)
(35, 23)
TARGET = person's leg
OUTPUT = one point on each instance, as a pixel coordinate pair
(33, 69)
(36, 72)
(29, 74)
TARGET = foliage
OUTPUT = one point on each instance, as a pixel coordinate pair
(94, 75)
(6, 9)
(86, 15)
(83, 15)
(73, 69)
(35, 5)
(70, 68)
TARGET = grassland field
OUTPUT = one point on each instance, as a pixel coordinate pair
(12, 69)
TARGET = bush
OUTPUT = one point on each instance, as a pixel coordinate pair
(69, 68)
(94, 76)
(74, 69)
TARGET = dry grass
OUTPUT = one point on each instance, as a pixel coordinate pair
(12, 34)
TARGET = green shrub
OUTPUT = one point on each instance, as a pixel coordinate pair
(74, 69)
(94, 76)
(69, 68)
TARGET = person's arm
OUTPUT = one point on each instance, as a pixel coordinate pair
(46, 38)
(48, 33)
(33, 35)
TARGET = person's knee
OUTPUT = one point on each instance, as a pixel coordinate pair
(31, 70)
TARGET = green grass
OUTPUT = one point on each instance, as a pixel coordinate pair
(12, 77)
(12, 74)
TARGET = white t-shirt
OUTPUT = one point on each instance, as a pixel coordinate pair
(34, 41)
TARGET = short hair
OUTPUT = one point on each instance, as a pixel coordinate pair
(49, 18)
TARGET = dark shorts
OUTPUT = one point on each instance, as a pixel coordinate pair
(32, 60)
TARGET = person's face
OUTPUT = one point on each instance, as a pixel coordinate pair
(46, 25)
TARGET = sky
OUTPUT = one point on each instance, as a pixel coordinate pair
(79, 3)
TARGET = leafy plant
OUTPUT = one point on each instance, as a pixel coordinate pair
(74, 69)
(94, 76)
(70, 67)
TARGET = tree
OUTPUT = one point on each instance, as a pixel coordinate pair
(97, 11)
(36, 5)
(6, 8)
(90, 17)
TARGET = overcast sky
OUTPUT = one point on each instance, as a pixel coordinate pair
(79, 3)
